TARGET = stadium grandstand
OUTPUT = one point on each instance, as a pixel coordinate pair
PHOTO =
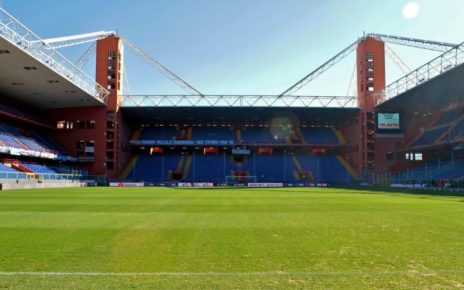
(164, 183)
(60, 125)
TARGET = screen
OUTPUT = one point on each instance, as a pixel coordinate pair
(388, 121)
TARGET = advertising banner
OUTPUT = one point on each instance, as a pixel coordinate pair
(127, 184)
(265, 184)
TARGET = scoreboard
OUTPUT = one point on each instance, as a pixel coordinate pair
(388, 121)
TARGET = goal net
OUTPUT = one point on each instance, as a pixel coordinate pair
(231, 180)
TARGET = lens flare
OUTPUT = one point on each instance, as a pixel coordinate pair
(411, 10)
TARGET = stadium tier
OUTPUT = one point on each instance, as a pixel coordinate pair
(430, 137)
(24, 141)
(38, 168)
(433, 172)
(7, 169)
(320, 135)
(13, 112)
(276, 167)
(447, 128)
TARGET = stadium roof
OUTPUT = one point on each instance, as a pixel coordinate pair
(27, 80)
(34, 73)
(233, 115)
(443, 91)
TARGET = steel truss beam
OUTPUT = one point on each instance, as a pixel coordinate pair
(19, 35)
(72, 40)
(85, 57)
(164, 70)
(414, 42)
(428, 71)
(238, 101)
(397, 60)
(321, 69)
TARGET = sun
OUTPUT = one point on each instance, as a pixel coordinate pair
(411, 10)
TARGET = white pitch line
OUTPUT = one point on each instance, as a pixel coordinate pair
(234, 274)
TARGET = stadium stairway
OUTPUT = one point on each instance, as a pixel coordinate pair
(297, 173)
(348, 167)
(21, 168)
(180, 164)
(188, 163)
(238, 135)
(129, 167)
(182, 168)
(340, 137)
(137, 133)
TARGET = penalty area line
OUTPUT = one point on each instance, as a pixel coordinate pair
(233, 274)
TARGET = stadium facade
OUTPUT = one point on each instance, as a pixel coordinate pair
(59, 123)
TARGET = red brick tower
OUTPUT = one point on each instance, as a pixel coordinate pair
(95, 134)
(370, 57)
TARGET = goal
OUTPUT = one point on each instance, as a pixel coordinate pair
(231, 180)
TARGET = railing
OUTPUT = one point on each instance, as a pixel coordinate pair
(39, 176)
(238, 101)
(435, 67)
(17, 34)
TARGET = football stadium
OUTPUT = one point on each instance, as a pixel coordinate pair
(101, 188)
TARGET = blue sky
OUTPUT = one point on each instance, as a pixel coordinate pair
(243, 46)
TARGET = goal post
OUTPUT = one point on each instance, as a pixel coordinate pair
(231, 180)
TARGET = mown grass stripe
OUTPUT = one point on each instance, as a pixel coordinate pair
(271, 273)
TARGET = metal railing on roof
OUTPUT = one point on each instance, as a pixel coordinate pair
(428, 71)
(239, 101)
(19, 35)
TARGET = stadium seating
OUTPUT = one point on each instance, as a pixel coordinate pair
(455, 170)
(436, 170)
(457, 132)
(451, 122)
(47, 142)
(154, 168)
(260, 135)
(429, 137)
(449, 117)
(38, 168)
(213, 133)
(209, 167)
(23, 115)
(30, 140)
(319, 135)
(159, 133)
(215, 168)
(10, 141)
(6, 169)
(325, 168)
(269, 168)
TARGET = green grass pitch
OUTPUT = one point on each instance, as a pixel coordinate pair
(288, 238)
